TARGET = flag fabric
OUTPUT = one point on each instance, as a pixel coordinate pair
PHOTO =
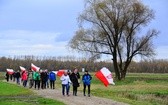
(34, 67)
(60, 72)
(105, 76)
(22, 68)
(55, 72)
(10, 71)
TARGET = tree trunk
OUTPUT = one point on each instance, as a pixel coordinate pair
(124, 71)
(116, 69)
(123, 74)
(117, 73)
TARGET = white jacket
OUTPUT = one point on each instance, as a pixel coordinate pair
(65, 79)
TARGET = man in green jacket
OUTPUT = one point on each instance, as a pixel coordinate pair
(36, 77)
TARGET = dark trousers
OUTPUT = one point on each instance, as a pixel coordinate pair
(52, 84)
(31, 83)
(65, 86)
(7, 79)
(75, 90)
(84, 89)
(43, 84)
(37, 83)
(11, 77)
(24, 83)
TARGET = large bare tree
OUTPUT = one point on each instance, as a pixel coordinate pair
(114, 27)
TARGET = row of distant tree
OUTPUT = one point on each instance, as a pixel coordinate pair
(69, 62)
(51, 63)
(149, 66)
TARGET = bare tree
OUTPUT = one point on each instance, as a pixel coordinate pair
(113, 27)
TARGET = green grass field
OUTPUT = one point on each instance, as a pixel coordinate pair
(136, 89)
(11, 94)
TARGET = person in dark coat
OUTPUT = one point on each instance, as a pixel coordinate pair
(47, 78)
(75, 76)
(18, 75)
(86, 78)
(43, 79)
(7, 76)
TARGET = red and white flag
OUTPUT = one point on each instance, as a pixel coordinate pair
(10, 71)
(22, 68)
(34, 67)
(55, 72)
(105, 76)
(60, 72)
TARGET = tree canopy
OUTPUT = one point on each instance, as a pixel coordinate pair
(114, 27)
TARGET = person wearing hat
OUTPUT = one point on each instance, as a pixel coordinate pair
(86, 78)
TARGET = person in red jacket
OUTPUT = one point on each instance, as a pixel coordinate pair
(24, 78)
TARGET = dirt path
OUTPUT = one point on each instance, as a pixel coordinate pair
(75, 100)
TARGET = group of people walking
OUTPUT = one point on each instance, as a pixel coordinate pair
(74, 78)
(16, 76)
(42, 79)
(38, 79)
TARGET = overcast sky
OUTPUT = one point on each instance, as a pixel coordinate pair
(44, 27)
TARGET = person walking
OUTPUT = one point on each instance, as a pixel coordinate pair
(75, 76)
(43, 79)
(24, 78)
(7, 76)
(69, 84)
(86, 78)
(36, 77)
(65, 82)
(52, 78)
(47, 79)
(18, 77)
(30, 78)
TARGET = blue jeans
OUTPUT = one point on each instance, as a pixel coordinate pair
(65, 86)
(18, 81)
(68, 86)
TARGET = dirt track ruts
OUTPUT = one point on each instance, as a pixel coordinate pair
(75, 100)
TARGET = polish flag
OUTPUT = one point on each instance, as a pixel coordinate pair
(55, 72)
(22, 68)
(10, 71)
(60, 72)
(105, 76)
(34, 67)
